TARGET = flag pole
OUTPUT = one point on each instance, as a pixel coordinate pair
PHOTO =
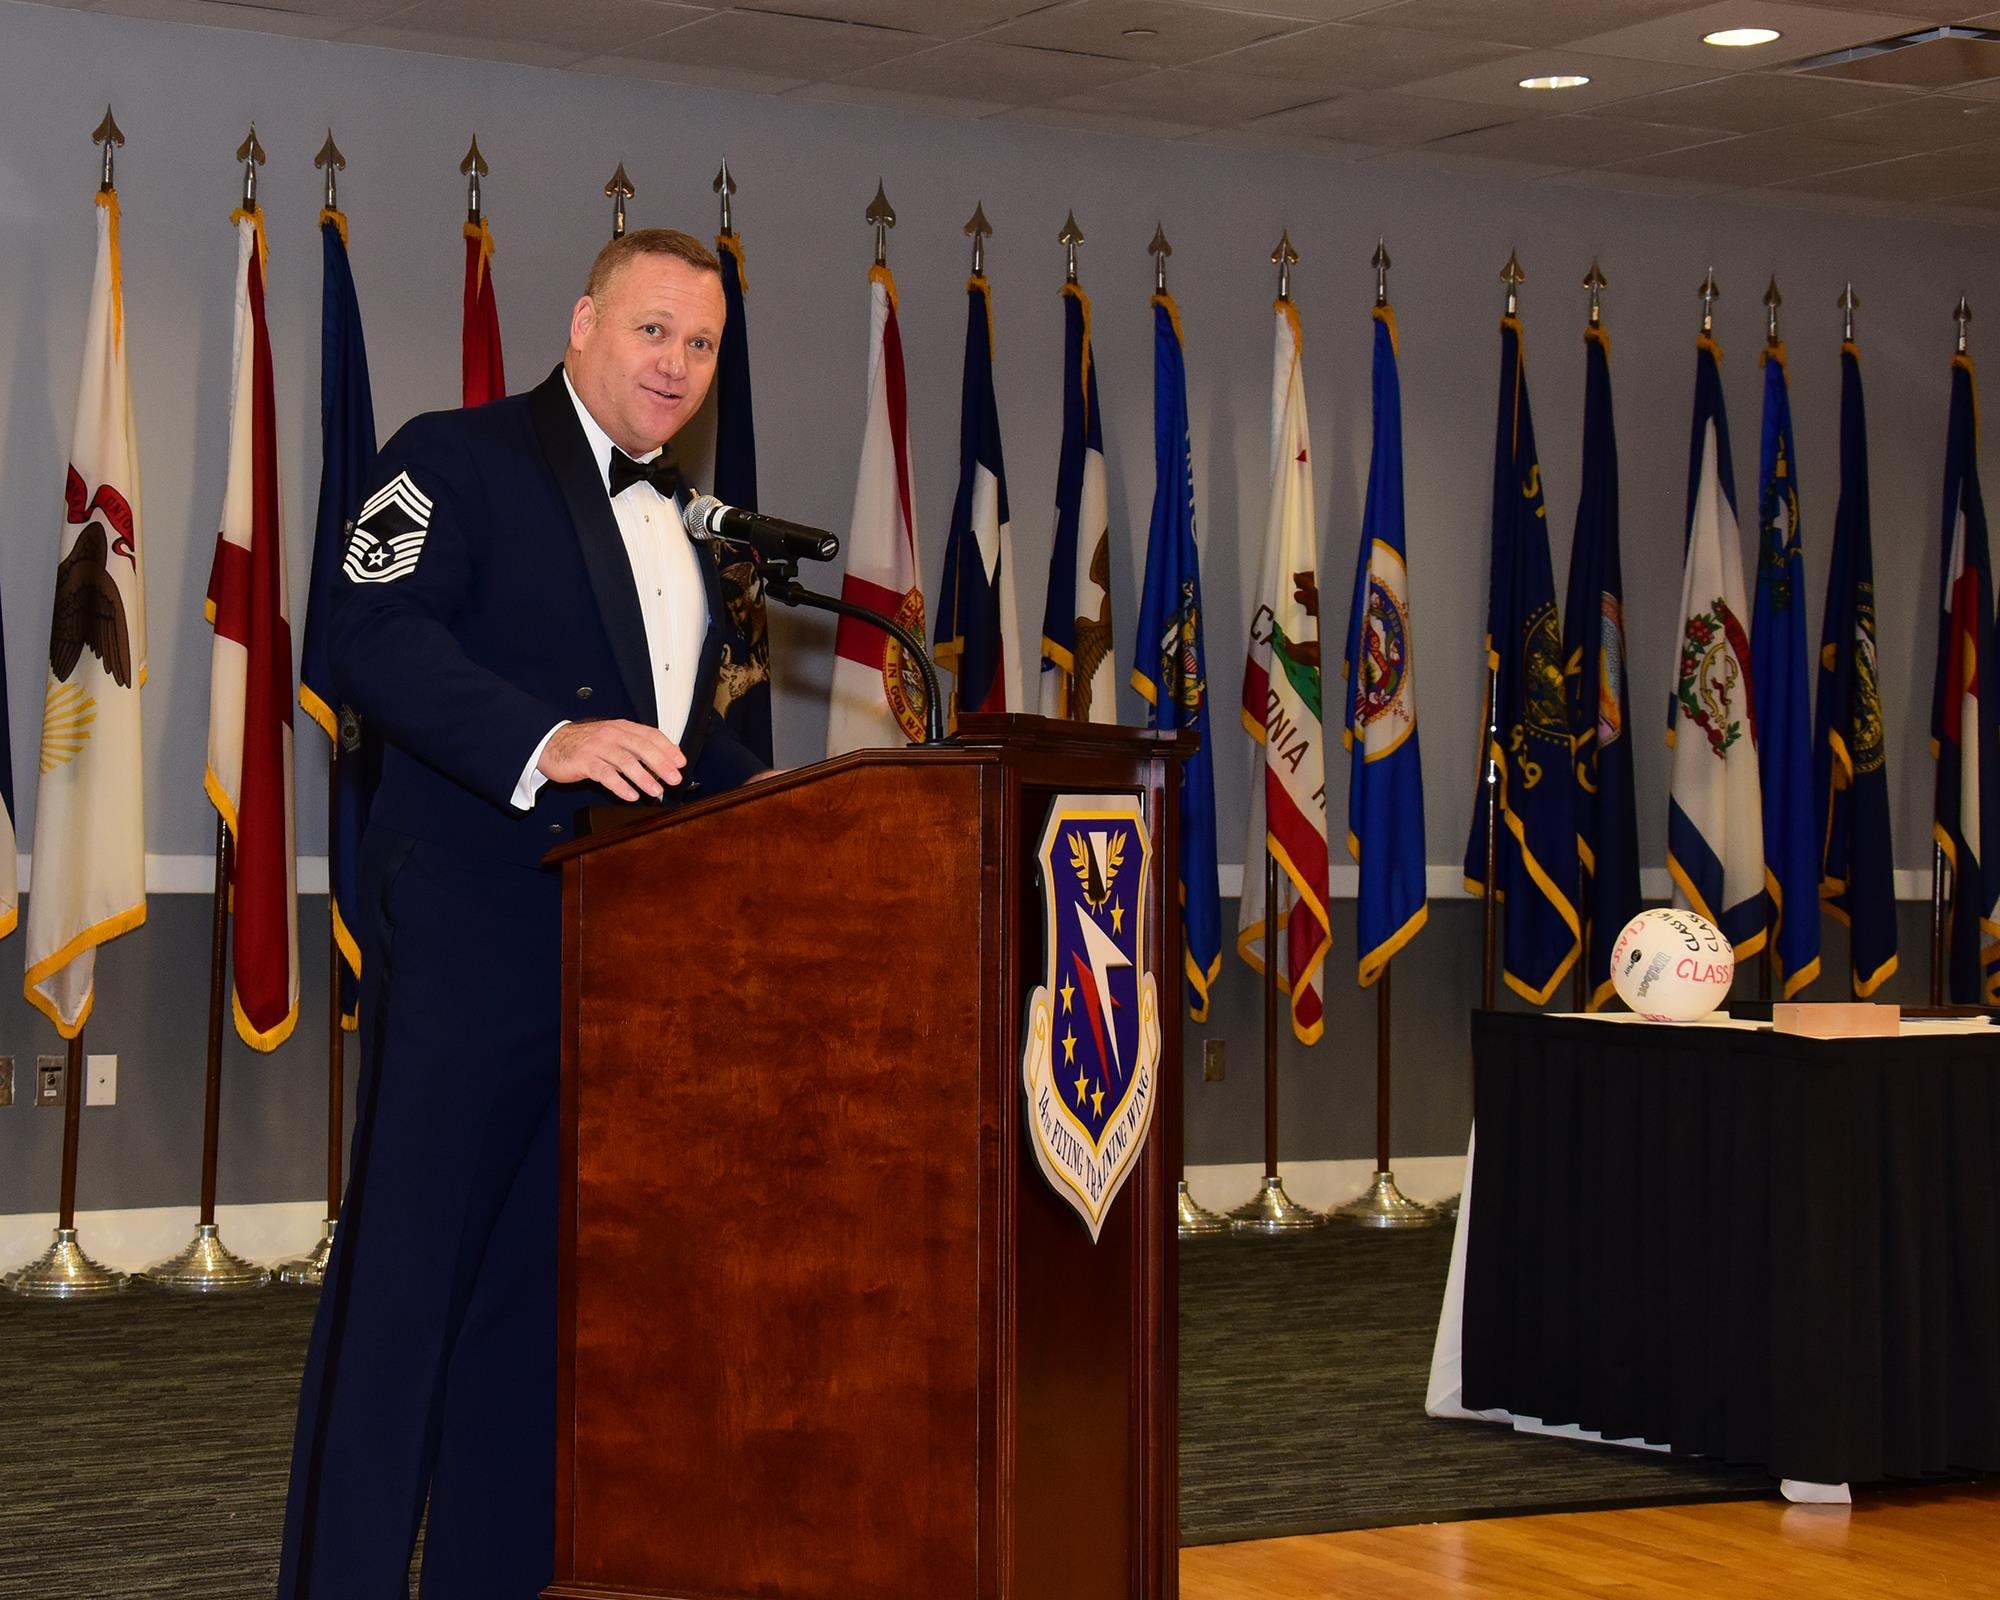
(1596, 283)
(1942, 885)
(1270, 1210)
(206, 1265)
(618, 190)
(1772, 300)
(1513, 277)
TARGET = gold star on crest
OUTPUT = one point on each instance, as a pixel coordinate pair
(1069, 1048)
(1097, 1102)
(1068, 993)
(1117, 918)
(1079, 1088)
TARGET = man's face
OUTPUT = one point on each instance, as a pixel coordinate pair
(642, 354)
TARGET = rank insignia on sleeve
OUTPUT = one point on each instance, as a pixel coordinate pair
(383, 543)
(1090, 1060)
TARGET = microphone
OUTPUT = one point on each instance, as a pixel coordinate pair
(707, 518)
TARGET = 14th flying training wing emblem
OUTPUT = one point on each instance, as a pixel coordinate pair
(1092, 1051)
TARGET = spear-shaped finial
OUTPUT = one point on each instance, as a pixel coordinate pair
(331, 161)
(1962, 314)
(1513, 277)
(474, 167)
(979, 230)
(1070, 237)
(1595, 281)
(1380, 262)
(1159, 250)
(882, 216)
(725, 186)
(1710, 293)
(251, 154)
(108, 135)
(618, 189)
(1848, 302)
(1284, 258)
(1772, 300)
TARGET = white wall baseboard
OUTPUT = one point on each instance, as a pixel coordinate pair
(130, 1240)
(1325, 1184)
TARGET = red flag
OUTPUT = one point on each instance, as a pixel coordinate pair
(485, 378)
(250, 680)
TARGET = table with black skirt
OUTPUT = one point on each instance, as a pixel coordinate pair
(1733, 1243)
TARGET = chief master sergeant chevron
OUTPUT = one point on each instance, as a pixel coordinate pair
(525, 620)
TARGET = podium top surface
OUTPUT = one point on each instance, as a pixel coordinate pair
(980, 738)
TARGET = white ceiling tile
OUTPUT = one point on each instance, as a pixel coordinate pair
(676, 70)
(1551, 22)
(1749, 102)
(1750, 160)
(1390, 121)
(800, 48)
(1300, 10)
(1804, 31)
(1010, 74)
(1353, 56)
(1912, 124)
(1499, 82)
(1204, 98)
(1155, 31)
(1935, 176)
(1425, 159)
(937, 105)
(203, 14)
(1574, 141)
(1916, 11)
(425, 41)
(579, 27)
(1259, 137)
(1087, 121)
(1634, 183)
(947, 19)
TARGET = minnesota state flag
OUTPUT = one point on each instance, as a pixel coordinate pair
(1782, 694)
(1527, 721)
(1850, 769)
(1170, 668)
(1385, 791)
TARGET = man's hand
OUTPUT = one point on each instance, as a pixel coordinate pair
(627, 758)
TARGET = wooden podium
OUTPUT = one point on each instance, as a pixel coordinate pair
(826, 1332)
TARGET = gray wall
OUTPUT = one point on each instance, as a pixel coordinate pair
(185, 95)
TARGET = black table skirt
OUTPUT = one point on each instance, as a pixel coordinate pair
(1759, 1248)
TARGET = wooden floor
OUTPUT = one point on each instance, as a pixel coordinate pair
(1890, 1546)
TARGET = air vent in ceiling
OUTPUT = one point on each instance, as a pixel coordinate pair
(1935, 58)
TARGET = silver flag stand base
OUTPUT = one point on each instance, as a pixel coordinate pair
(1271, 1210)
(309, 1271)
(1383, 1205)
(1197, 1221)
(206, 1266)
(64, 1272)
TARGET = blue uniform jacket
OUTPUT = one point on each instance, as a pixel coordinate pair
(485, 596)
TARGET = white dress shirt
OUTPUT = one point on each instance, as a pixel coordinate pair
(672, 598)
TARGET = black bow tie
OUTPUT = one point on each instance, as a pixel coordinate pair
(662, 472)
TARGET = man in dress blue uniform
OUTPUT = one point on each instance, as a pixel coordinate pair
(527, 623)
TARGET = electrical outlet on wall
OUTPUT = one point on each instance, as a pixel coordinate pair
(49, 1076)
(1213, 1064)
(100, 1079)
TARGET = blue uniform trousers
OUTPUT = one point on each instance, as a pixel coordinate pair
(430, 1378)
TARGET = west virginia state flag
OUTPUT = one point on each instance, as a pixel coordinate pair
(878, 695)
(1600, 711)
(1965, 703)
(1850, 769)
(1527, 715)
(1079, 661)
(1281, 711)
(347, 462)
(743, 683)
(90, 813)
(978, 623)
(1385, 791)
(249, 777)
(1715, 825)
(1782, 693)
(1170, 668)
(484, 375)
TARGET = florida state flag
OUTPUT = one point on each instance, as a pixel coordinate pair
(249, 775)
(485, 377)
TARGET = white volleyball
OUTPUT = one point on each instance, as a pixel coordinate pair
(1671, 965)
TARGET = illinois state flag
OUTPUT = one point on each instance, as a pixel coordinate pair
(90, 813)
(878, 695)
(1170, 669)
(1079, 663)
(1385, 790)
(483, 374)
(249, 777)
(1715, 823)
(1965, 700)
(1600, 711)
(347, 462)
(1281, 711)
(978, 623)
(1850, 767)
(1527, 718)
(1782, 694)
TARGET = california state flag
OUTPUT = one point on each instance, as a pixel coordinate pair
(1281, 710)
(250, 679)
(90, 813)
(878, 695)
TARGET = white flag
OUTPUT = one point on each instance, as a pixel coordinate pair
(90, 815)
(878, 695)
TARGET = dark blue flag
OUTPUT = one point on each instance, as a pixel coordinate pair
(1850, 770)
(1600, 709)
(347, 462)
(1169, 666)
(1527, 720)
(743, 686)
(973, 632)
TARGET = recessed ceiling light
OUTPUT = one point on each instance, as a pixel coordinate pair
(1739, 38)
(1559, 80)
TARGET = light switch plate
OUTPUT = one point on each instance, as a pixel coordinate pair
(100, 1080)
